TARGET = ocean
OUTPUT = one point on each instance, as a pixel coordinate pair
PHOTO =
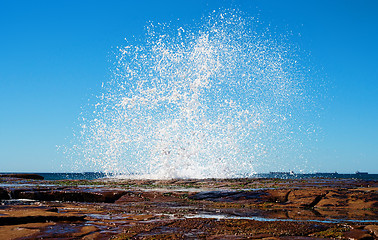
(281, 175)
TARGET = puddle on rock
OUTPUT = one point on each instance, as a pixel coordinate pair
(18, 202)
(264, 219)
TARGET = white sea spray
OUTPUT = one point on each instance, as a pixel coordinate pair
(217, 100)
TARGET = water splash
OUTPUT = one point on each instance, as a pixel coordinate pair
(214, 100)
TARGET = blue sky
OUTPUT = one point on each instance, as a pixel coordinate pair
(54, 55)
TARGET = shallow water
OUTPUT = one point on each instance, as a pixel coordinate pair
(265, 219)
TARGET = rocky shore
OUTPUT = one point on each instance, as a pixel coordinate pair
(33, 208)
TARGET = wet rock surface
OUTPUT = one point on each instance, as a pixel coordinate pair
(23, 175)
(372, 229)
(188, 209)
(68, 194)
(4, 194)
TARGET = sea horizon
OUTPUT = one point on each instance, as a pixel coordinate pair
(282, 175)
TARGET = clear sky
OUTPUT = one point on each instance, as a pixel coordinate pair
(54, 55)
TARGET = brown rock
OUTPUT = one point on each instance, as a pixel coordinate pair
(306, 198)
(279, 196)
(23, 230)
(173, 209)
(358, 234)
(86, 230)
(23, 214)
(333, 199)
(373, 229)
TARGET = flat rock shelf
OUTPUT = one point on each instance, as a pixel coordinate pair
(245, 208)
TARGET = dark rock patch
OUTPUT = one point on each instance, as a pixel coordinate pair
(227, 196)
(314, 202)
(63, 194)
(71, 195)
(160, 197)
(24, 176)
(4, 195)
(38, 219)
(212, 195)
(305, 198)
